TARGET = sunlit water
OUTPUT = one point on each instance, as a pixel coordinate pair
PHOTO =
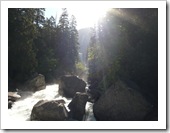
(21, 109)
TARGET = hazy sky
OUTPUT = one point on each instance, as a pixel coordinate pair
(85, 17)
(52, 12)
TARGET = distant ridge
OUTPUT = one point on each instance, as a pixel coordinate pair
(84, 39)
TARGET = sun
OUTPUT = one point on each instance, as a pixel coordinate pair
(87, 17)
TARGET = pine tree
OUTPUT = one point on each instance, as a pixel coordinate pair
(22, 31)
(45, 49)
(63, 38)
(73, 45)
(67, 42)
(39, 16)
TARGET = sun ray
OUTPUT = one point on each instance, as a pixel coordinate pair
(87, 17)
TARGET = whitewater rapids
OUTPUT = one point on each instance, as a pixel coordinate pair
(21, 109)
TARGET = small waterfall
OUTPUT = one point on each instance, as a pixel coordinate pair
(21, 109)
(89, 112)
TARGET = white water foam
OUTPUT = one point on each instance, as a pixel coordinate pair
(21, 109)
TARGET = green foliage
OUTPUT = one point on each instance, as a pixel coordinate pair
(38, 45)
(80, 66)
(45, 46)
(22, 31)
(67, 42)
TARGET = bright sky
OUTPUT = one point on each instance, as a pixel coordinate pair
(86, 17)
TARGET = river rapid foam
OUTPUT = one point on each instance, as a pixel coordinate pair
(21, 109)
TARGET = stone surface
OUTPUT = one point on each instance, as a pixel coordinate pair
(35, 84)
(69, 85)
(52, 110)
(121, 103)
(13, 96)
(77, 106)
(10, 104)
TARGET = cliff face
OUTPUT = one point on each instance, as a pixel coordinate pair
(84, 39)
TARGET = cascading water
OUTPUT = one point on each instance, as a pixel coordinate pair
(21, 109)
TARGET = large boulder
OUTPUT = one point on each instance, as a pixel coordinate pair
(69, 85)
(121, 103)
(77, 106)
(52, 110)
(35, 84)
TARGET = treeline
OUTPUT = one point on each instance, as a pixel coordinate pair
(37, 45)
(124, 45)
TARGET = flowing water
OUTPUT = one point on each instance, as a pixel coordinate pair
(21, 109)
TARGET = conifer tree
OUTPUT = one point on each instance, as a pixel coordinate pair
(22, 31)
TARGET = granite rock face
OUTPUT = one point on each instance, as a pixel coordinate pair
(121, 103)
(69, 85)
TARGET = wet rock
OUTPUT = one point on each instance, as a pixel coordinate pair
(35, 84)
(69, 85)
(152, 115)
(10, 104)
(77, 106)
(24, 94)
(60, 101)
(13, 96)
(52, 110)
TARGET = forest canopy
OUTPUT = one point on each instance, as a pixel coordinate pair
(38, 45)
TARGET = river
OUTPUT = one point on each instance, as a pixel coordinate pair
(21, 109)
